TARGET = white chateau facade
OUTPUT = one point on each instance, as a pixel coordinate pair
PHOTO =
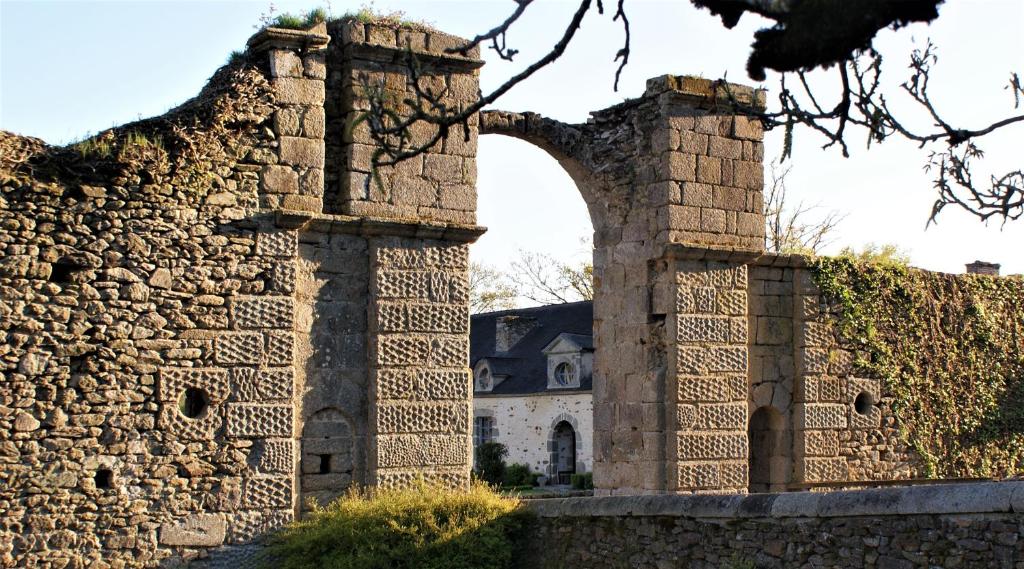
(532, 371)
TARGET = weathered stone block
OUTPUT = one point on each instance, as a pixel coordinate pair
(290, 90)
(681, 167)
(422, 417)
(301, 151)
(717, 417)
(279, 180)
(422, 450)
(709, 170)
(443, 168)
(749, 175)
(697, 476)
(268, 492)
(698, 329)
(712, 220)
(241, 348)
(701, 446)
(276, 455)
(822, 470)
(280, 348)
(194, 530)
(259, 421)
(423, 384)
(721, 147)
(816, 443)
(277, 244)
(812, 416)
(262, 312)
(285, 63)
(174, 382)
(733, 199)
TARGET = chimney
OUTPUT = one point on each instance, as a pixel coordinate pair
(508, 330)
(983, 268)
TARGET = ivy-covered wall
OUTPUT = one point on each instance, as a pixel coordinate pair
(947, 352)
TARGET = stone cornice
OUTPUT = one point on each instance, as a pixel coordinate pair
(283, 38)
(373, 226)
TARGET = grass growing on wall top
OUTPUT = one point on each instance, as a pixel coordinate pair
(365, 15)
(424, 527)
(950, 349)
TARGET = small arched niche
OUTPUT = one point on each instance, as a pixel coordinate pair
(769, 454)
(327, 457)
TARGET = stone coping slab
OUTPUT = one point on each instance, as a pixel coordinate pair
(372, 227)
(284, 38)
(938, 499)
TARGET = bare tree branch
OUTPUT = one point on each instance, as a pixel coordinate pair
(792, 229)
(834, 34)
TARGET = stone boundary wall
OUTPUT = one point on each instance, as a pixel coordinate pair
(945, 525)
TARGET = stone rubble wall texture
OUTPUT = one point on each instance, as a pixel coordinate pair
(949, 526)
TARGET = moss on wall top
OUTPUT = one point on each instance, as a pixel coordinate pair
(950, 349)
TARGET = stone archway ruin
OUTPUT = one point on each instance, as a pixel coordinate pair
(282, 283)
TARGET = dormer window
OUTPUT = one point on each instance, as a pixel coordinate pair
(570, 359)
(565, 374)
(484, 380)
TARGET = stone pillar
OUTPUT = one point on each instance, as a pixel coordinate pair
(419, 392)
(711, 215)
(705, 202)
(420, 383)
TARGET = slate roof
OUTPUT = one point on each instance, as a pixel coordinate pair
(526, 365)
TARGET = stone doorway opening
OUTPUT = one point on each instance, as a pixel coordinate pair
(769, 456)
(563, 452)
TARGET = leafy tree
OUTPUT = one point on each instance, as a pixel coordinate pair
(490, 462)
(881, 254)
(489, 290)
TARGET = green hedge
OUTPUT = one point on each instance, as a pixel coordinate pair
(950, 350)
(423, 528)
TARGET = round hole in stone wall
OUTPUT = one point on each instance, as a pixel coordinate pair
(104, 479)
(193, 402)
(863, 403)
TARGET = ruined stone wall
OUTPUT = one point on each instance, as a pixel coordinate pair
(939, 526)
(835, 439)
(192, 348)
(139, 288)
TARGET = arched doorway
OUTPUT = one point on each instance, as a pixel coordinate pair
(327, 461)
(769, 456)
(563, 459)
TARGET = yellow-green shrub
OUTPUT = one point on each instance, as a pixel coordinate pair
(424, 527)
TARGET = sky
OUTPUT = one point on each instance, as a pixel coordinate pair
(71, 68)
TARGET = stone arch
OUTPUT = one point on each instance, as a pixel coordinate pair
(327, 456)
(769, 456)
(561, 141)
